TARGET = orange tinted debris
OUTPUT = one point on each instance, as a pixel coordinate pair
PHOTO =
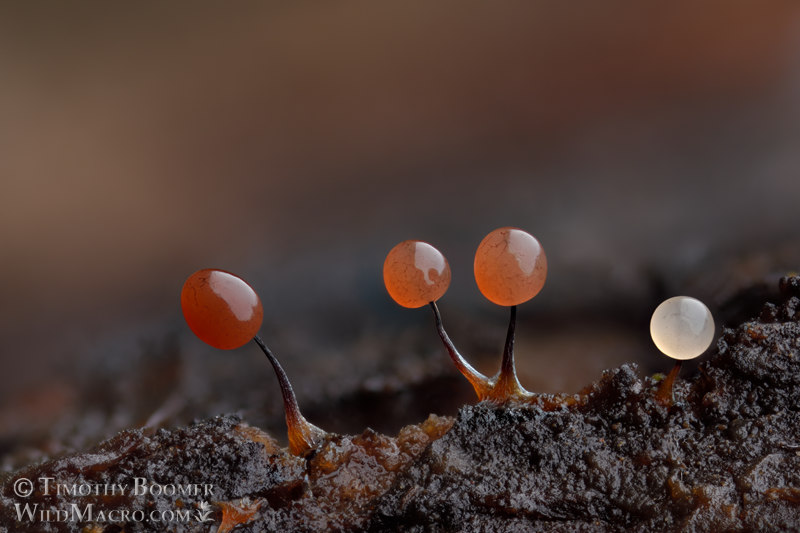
(254, 434)
(237, 512)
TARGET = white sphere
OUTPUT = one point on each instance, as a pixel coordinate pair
(682, 327)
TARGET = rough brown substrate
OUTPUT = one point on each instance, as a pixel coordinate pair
(725, 455)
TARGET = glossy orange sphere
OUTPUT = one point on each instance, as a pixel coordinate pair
(221, 309)
(510, 266)
(415, 274)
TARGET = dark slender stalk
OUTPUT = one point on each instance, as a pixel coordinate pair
(302, 435)
(507, 367)
(507, 386)
(289, 399)
(479, 382)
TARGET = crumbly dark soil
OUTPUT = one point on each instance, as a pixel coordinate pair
(723, 455)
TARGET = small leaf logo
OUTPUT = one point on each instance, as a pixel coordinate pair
(204, 512)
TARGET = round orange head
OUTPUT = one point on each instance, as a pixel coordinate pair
(415, 274)
(510, 266)
(221, 309)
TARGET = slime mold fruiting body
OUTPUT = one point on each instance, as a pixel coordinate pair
(221, 309)
(225, 312)
(415, 273)
(510, 269)
(510, 266)
(682, 327)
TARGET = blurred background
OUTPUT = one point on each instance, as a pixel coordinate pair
(653, 150)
